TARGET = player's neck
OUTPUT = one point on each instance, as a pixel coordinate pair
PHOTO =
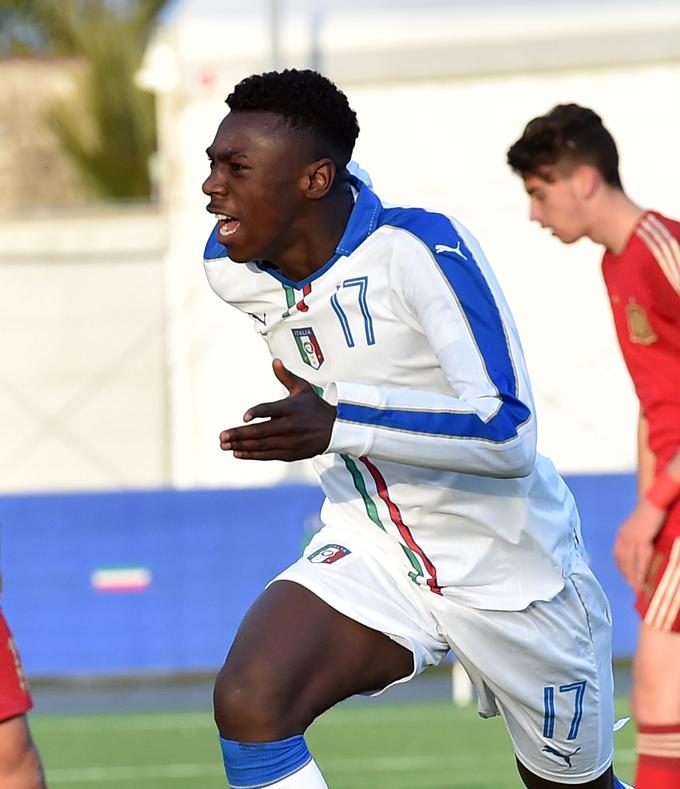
(316, 237)
(615, 218)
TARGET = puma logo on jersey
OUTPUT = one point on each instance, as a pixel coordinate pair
(565, 756)
(439, 248)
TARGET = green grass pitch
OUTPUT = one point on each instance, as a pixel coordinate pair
(357, 746)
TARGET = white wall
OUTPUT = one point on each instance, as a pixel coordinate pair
(82, 380)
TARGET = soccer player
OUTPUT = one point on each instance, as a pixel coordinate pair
(569, 164)
(407, 387)
(20, 766)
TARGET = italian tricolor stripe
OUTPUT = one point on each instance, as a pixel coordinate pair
(372, 512)
(403, 529)
(290, 295)
(360, 485)
(299, 306)
(121, 579)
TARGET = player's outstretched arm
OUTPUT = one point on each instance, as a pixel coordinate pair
(297, 427)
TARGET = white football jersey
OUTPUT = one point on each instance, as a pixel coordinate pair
(433, 452)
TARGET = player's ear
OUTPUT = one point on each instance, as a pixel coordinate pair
(587, 180)
(319, 178)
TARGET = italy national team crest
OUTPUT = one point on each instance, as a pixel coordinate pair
(328, 554)
(308, 346)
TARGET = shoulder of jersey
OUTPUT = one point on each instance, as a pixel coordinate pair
(434, 230)
(213, 249)
(661, 238)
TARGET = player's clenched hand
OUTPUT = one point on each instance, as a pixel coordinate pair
(635, 542)
(297, 427)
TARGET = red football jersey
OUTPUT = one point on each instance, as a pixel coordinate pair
(15, 696)
(643, 283)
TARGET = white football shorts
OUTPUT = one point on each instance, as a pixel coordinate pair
(545, 669)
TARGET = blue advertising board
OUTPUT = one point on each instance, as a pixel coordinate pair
(106, 584)
(135, 582)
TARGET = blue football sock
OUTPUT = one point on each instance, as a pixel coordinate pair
(259, 764)
(619, 784)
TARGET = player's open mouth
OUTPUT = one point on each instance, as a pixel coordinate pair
(227, 225)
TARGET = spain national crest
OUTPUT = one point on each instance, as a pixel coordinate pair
(308, 346)
(639, 328)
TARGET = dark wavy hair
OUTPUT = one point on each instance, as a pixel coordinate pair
(306, 100)
(565, 137)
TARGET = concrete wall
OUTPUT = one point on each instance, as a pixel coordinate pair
(82, 343)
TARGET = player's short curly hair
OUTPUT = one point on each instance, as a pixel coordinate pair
(565, 137)
(308, 101)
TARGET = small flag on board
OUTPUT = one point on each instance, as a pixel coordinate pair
(121, 579)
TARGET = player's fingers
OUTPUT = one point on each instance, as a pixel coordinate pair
(292, 382)
(271, 454)
(271, 446)
(622, 555)
(629, 571)
(625, 555)
(262, 447)
(257, 431)
(632, 569)
(643, 559)
(267, 410)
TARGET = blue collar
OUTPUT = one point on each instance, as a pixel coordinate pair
(361, 223)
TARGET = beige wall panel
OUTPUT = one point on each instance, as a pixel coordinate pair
(82, 383)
